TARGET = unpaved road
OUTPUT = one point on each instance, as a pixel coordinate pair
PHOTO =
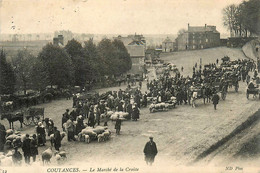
(181, 134)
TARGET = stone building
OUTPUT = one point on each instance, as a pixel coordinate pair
(136, 46)
(198, 37)
(168, 45)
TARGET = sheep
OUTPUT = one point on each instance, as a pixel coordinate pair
(46, 156)
(87, 139)
(80, 137)
(9, 132)
(107, 134)
(100, 137)
(60, 155)
(63, 154)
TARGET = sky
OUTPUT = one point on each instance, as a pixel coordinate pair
(109, 16)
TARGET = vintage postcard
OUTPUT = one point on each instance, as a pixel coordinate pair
(138, 86)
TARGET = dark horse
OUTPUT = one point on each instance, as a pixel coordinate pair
(12, 118)
(207, 93)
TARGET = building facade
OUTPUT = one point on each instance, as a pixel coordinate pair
(168, 45)
(136, 46)
(198, 37)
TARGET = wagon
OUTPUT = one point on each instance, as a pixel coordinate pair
(33, 115)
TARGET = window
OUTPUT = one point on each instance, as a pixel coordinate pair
(200, 41)
(193, 41)
(194, 47)
(207, 40)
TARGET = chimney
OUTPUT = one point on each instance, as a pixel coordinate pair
(205, 25)
(188, 25)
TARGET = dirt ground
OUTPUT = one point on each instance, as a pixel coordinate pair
(181, 134)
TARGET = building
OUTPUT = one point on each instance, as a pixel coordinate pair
(136, 46)
(58, 41)
(168, 45)
(198, 37)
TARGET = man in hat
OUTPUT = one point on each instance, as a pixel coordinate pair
(64, 120)
(26, 147)
(34, 147)
(57, 139)
(150, 151)
(215, 100)
(118, 125)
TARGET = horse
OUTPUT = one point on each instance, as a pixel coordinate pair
(207, 93)
(12, 118)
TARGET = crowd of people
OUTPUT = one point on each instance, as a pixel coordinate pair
(92, 110)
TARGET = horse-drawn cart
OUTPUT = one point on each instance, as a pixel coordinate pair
(34, 115)
(25, 117)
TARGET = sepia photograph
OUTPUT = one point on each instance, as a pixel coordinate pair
(131, 86)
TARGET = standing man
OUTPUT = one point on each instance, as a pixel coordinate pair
(70, 129)
(34, 147)
(135, 113)
(118, 125)
(150, 151)
(26, 147)
(57, 139)
(2, 137)
(215, 100)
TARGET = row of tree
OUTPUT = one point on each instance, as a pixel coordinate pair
(72, 65)
(243, 19)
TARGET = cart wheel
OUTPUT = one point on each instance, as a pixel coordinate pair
(27, 120)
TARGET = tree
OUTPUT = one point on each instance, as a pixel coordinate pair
(80, 64)
(229, 18)
(123, 60)
(93, 60)
(23, 64)
(57, 64)
(7, 76)
(107, 54)
(242, 18)
(251, 11)
(39, 76)
(181, 31)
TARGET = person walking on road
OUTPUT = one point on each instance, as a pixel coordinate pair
(150, 151)
(118, 125)
(215, 100)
